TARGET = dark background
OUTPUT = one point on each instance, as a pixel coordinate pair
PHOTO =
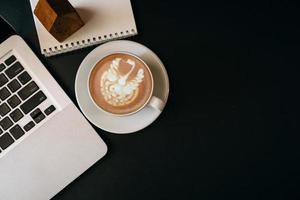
(230, 128)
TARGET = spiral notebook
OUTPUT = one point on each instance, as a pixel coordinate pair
(104, 20)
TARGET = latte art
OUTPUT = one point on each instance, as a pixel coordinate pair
(116, 89)
(120, 84)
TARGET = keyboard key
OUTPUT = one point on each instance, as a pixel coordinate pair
(14, 101)
(33, 102)
(49, 110)
(1, 131)
(4, 109)
(39, 118)
(28, 90)
(16, 132)
(3, 80)
(16, 115)
(2, 67)
(14, 70)
(10, 60)
(14, 85)
(37, 115)
(29, 126)
(6, 123)
(4, 93)
(5, 141)
(24, 78)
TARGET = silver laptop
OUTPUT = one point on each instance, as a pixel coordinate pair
(45, 142)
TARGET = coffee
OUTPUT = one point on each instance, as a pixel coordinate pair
(120, 84)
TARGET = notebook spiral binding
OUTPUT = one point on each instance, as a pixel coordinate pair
(64, 48)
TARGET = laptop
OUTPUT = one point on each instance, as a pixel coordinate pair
(45, 142)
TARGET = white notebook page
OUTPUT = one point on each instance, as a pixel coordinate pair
(104, 20)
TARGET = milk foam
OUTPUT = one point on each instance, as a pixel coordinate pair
(115, 87)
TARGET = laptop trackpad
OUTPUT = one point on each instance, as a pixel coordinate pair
(51, 157)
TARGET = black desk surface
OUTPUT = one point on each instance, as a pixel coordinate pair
(230, 126)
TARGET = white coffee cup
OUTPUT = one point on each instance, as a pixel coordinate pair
(152, 101)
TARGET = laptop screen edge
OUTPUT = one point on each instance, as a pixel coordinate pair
(6, 30)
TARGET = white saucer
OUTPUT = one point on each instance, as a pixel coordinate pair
(124, 124)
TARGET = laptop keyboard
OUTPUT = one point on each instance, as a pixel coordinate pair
(20, 98)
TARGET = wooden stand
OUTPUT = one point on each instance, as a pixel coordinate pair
(59, 17)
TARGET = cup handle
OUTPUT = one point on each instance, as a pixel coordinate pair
(156, 103)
